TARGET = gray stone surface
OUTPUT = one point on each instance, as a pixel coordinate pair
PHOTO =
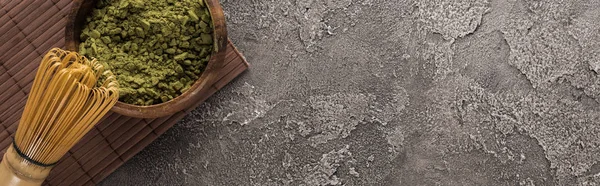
(402, 92)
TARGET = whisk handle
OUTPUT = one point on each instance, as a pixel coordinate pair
(16, 171)
(9, 178)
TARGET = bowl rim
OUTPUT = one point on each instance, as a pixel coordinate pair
(185, 100)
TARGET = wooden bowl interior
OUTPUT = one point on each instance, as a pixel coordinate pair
(76, 20)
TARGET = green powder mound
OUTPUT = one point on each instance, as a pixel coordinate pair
(156, 48)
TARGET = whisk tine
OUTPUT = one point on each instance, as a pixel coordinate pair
(65, 103)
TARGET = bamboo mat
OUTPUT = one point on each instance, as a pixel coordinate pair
(28, 29)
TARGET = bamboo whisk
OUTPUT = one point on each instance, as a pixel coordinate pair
(66, 100)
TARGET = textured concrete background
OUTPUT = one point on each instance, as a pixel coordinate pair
(402, 92)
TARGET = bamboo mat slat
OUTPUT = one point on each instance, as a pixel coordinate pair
(28, 29)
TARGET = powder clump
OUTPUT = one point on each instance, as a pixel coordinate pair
(156, 48)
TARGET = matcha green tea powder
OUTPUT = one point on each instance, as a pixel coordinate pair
(157, 48)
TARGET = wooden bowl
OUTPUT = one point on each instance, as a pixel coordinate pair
(76, 20)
